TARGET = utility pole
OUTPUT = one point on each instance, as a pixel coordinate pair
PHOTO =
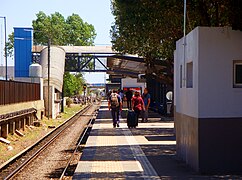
(84, 88)
(5, 47)
(48, 92)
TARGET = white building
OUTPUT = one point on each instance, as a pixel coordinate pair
(133, 83)
(208, 99)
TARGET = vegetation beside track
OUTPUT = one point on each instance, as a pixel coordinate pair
(33, 134)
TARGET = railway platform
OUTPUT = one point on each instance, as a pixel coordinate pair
(146, 152)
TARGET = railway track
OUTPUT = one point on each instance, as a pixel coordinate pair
(68, 170)
(11, 169)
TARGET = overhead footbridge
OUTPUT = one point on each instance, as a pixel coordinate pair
(100, 59)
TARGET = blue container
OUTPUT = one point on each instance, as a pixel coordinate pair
(22, 51)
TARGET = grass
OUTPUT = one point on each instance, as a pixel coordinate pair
(69, 111)
(35, 133)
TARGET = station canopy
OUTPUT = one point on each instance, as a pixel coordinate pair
(129, 65)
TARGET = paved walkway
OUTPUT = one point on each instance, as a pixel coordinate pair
(147, 152)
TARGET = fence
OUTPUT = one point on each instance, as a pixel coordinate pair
(17, 92)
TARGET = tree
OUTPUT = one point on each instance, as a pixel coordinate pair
(73, 84)
(10, 44)
(71, 31)
(146, 28)
(150, 28)
(79, 33)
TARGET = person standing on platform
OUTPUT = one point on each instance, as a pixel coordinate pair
(129, 95)
(137, 105)
(146, 99)
(121, 94)
(115, 105)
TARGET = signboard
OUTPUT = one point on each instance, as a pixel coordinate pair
(139, 89)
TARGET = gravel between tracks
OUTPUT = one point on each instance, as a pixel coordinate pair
(50, 163)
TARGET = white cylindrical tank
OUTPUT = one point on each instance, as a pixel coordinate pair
(57, 66)
(35, 70)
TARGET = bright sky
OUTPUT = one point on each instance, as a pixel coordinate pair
(20, 13)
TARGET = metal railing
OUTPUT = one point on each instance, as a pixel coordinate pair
(17, 92)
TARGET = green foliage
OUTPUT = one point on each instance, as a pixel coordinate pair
(10, 44)
(79, 33)
(69, 101)
(71, 31)
(150, 28)
(73, 84)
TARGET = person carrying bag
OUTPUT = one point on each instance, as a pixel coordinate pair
(137, 105)
(115, 105)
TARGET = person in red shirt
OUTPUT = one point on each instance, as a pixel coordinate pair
(137, 105)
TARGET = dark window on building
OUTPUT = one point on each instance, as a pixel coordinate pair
(237, 73)
(189, 81)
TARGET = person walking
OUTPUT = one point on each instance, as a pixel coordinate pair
(121, 94)
(146, 99)
(115, 105)
(137, 105)
(129, 95)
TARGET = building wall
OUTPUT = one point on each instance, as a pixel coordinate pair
(39, 105)
(208, 116)
(186, 99)
(187, 137)
(213, 94)
(217, 97)
(132, 82)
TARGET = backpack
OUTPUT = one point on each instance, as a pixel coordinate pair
(114, 100)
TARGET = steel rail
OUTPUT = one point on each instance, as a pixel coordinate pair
(77, 146)
(31, 158)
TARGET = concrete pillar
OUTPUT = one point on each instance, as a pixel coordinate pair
(31, 119)
(4, 130)
(20, 123)
(27, 120)
(17, 124)
(41, 89)
(23, 123)
(12, 127)
(51, 100)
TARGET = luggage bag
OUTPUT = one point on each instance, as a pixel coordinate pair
(131, 119)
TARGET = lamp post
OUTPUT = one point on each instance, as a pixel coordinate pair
(48, 78)
(5, 47)
(84, 88)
